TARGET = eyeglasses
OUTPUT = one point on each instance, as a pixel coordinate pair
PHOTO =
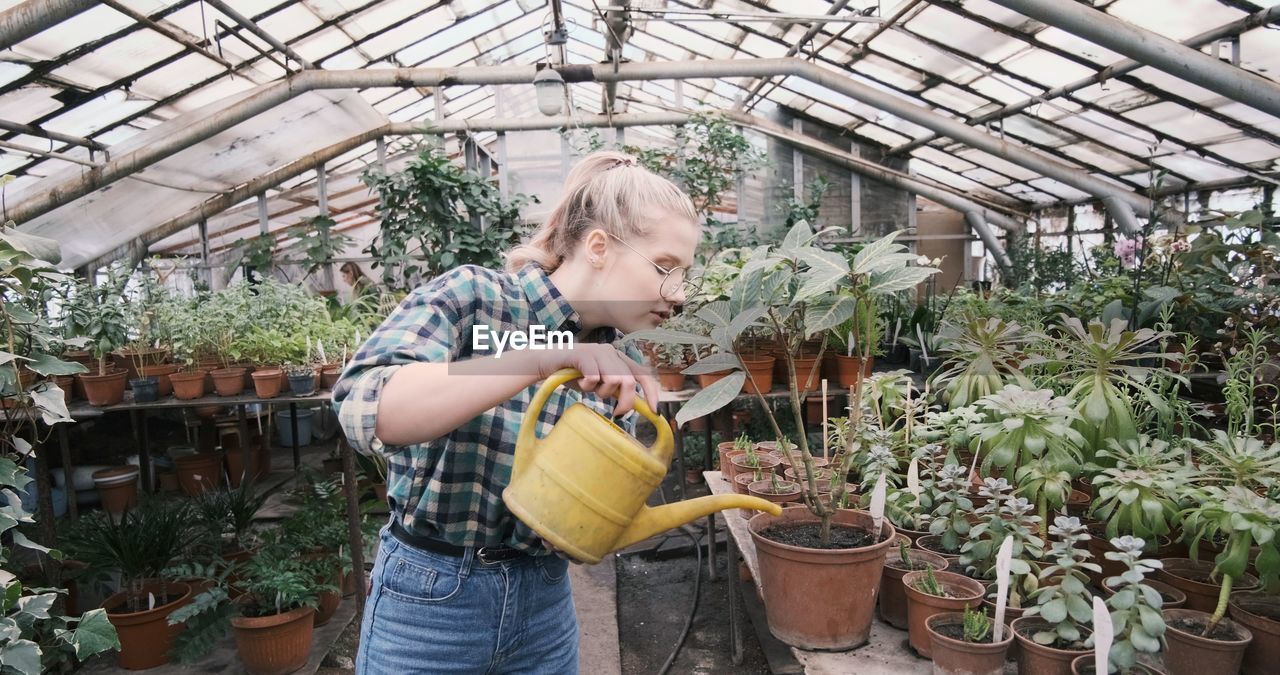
(673, 279)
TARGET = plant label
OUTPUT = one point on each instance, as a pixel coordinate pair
(1103, 634)
(877, 506)
(1004, 558)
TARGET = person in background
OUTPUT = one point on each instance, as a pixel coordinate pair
(359, 282)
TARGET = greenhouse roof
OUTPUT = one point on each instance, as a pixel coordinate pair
(124, 73)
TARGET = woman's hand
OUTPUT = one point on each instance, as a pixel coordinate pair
(606, 372)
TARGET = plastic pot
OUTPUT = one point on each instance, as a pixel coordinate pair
(146, 637)
(1192, 577)
(671, 379)
(797, 582)
(274, 645)
(302, 384)
(228, 381)
(1186, 653)
(199, 473)
(266, 383)
(145, 389)
(958, 657)
(1037, 659)
(188, 386)
(850, 370)
(161, 373)
(118, 488)
(285, 429)
(893, 595)
(1260, 613)
(104, 390)
(962, 592)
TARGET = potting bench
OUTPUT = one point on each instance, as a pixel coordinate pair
(886, 651)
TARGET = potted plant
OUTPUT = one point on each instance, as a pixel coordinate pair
(317, 531)
(949, 525)
(139, 545)
(981, 356)
(1003, 517)
(897, 564)
(1197, 638)
(930, 593)
(792, 292)
(963, 643)
(1136, 622)
(738, 446)
(1055, 631)
(199, 472)
(106, 330)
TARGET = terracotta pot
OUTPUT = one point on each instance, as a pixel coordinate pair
(1037, 659)
(723, 451)
(761, 372)
(893, 595)
(146, 637)
(1260, 613)
(1085, 665)
(962, 591)
(104, 390)
(813, 408)
(789, 494)
(1173, 598)
(799, 605)
(741, 465)
(199, 472)
(808, 373)
(913, 535)
(161, 373)
(118, 488)
(188, 385)
(1078, 503)
(789, 473)
(266, 383)
(228, 381)
(1192, 577)
(274, 645)
(957, 657)
(380, 491)
(128, 359)
(670, 379)
(241, 461)
(329, 376)
(1187, 653)
(742, 480)
(933, 544)
(851, 369)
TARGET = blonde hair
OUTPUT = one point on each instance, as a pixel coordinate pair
(609, 190)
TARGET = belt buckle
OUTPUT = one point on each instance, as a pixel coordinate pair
(482, 553)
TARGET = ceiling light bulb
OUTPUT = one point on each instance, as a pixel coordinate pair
(549, 86)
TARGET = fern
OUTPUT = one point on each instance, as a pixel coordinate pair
(208, 619)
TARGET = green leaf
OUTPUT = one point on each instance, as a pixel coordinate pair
(45, 364)
(667, 336)
(1054, 611)
(828, 312)
(40, 248)
(20, 539)
(797, 236)
(713, 398)
(51, 403)
(745, 319)
(715, 363)
(37, 606)
(94, 634)
(716, 313)
(22, 656)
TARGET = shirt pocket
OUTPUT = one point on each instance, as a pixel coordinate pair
(412, 582)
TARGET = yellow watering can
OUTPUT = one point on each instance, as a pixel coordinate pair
(583, 487)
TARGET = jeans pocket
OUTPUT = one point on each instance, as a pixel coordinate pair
(412, 582)
(554, 568)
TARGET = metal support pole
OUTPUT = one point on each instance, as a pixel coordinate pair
(257, 30)
(263, 217)
(980, 227)
(204, 253)
(31, 17)
(382, 154)
(30, 130)
(1154, 50)
(64, 446)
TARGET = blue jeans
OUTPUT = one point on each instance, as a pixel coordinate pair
(433, 613)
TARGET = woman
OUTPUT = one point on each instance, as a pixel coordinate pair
(355, 277)
(459, 584)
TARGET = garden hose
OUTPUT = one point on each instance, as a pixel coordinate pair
(693, 606)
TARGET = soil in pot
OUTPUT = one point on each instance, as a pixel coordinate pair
(785, 492)
(960, 592)
(1037, 659)
(810, 536)
(1260, 613)
(1193, 578)
(933, 544)
(796, 581)
(953, 655)
(741, 464)
(146, 636)
(893, 596)
(1188, 653)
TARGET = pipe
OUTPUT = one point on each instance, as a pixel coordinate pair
(257, 30)
(1124, 216)
(979, 226)
(1154, 50)
(31, 17)
(271, 95)
(1259, 18)
(20, 128)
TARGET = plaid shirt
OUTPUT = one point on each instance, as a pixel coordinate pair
(451, 488)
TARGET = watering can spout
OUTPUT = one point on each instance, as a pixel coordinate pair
(653, 520)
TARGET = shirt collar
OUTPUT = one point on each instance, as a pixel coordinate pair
(550, 308)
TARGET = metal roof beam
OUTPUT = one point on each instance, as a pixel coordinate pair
(31, 17)
(1255, 20)
(257, 30)
(1154, 50)
(793, 50)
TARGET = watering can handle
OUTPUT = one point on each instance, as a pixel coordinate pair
(527, 441)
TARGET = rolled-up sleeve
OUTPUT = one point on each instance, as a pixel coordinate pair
(426, 327)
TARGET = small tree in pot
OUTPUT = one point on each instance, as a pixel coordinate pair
(964, 643)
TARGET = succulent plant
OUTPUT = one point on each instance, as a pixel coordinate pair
(1067, 604)
(1136, 620)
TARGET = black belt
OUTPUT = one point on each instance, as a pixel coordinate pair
(486, 554)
